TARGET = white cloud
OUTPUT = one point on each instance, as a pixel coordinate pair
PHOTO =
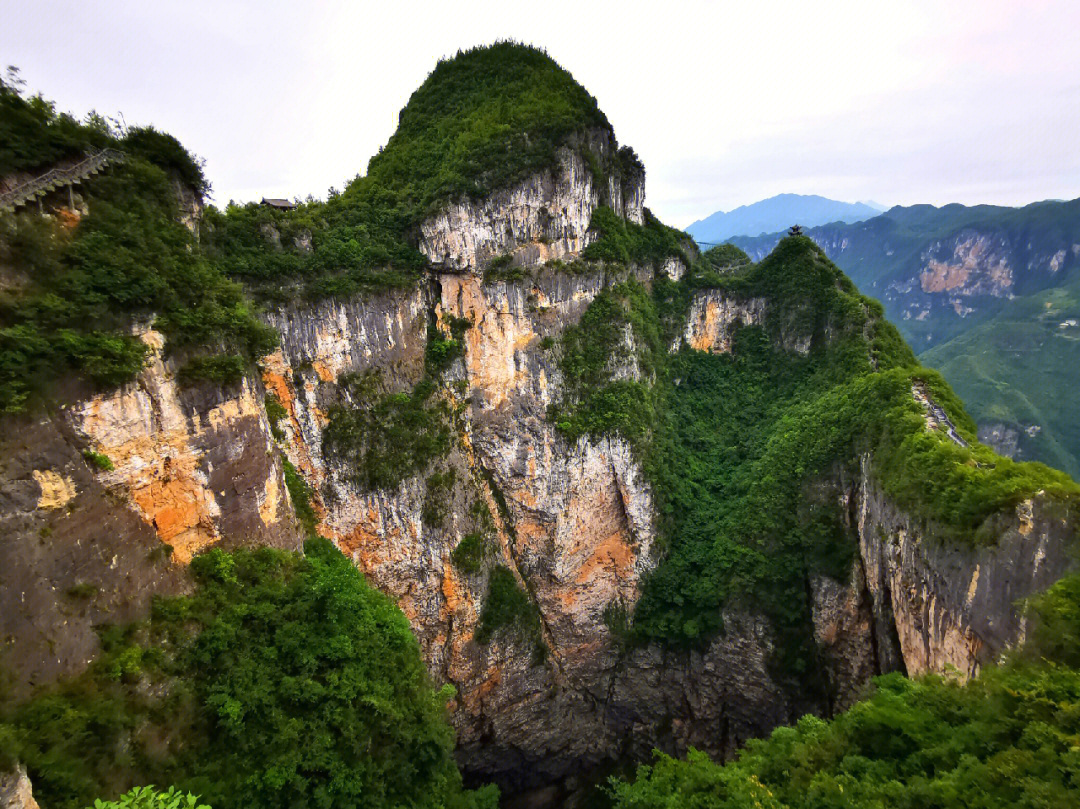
(727, 103)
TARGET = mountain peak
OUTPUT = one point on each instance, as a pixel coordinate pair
(778, 213)
(482, 120)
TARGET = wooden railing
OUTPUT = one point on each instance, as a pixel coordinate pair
(58, 178)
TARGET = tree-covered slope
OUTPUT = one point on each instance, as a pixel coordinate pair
(1006, 739)
(983, 293)
(940, 271)
(483, 120)
(1018, 373)
(736, 443)
(75, 283)
(281, 681)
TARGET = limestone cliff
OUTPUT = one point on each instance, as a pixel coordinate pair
(104, 501)
(573, 522)
(547, 217)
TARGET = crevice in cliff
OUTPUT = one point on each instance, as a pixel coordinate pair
(505, 534)
(824, 683)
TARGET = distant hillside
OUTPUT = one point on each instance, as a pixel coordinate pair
(779, 213)
(990, 295)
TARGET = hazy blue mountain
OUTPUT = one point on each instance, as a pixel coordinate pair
(779, 213)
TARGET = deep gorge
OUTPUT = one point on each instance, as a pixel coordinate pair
(627, 495)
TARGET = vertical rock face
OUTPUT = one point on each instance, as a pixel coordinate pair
(198, 470)
(547, 217)
(103, 503)
(15, 790)
(574, 523)
(952, 605)
(714, 318)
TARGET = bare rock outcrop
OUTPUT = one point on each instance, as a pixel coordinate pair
(16, 791)
(546, 217)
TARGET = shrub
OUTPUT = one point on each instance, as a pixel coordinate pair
(275, 412)
(222, 369)
(439, 486)
(98, 461)
(507, 606)
(469, 554)
(165, 151)
(300, 494)
(150, 798)
(385, 438)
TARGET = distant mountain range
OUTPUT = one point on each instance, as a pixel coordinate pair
(991, 297)
(779, 213)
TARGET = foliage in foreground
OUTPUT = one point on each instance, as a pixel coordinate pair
(283, 681)
(150, 798)
(1010, 738)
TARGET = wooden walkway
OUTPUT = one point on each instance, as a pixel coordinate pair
(38, 187)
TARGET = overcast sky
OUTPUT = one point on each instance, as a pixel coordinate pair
(727, 102)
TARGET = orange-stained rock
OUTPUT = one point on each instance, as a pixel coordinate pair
(178, 462)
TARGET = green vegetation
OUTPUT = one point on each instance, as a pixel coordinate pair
(300, 494)
(436, 495)
(726, 257)
(84, 590)
(441, 350)
(98, 461)
(483, 120)
(1010, 371)
(275, 412)
(469, 554)
(623, 242)
(1008, 356)
(508, 607)
(87, 281)
(282, 681)
(1006, 739)
(34, 137)
(475, 547)
(618, 328)
(222, 369)
(151, 798)
(743, 448)
(501, 268)
(386, 437)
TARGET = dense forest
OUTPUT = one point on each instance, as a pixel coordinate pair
(1009, 738)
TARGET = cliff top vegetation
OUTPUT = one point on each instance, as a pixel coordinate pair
(75, 285)
(483, 120)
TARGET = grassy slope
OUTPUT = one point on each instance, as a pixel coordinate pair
(1022, 368)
